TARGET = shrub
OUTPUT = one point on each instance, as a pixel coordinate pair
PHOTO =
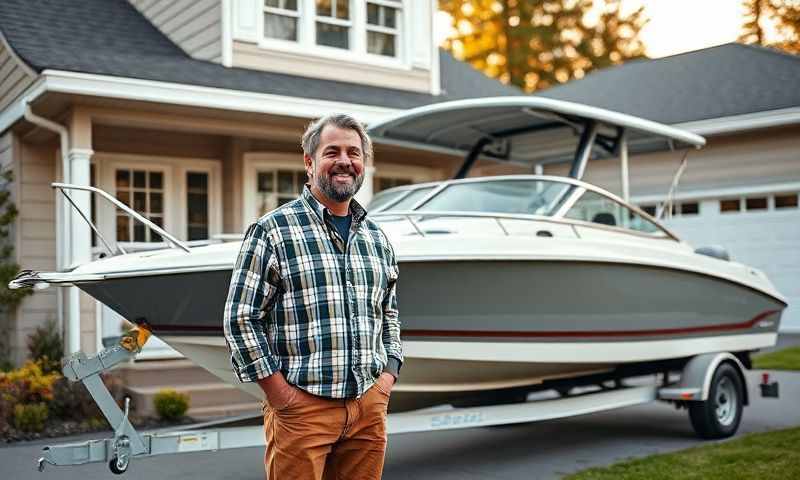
(30, 417)
(6, 365)
(6, 409)
(170, 405)
(28, 384)
(71, 401)
(46, 347)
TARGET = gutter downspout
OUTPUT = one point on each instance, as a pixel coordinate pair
(63, 239)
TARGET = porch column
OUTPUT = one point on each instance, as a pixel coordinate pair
(364, 194)
(80, 240)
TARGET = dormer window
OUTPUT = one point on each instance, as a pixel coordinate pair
(382, 27)
(333, 23)
(357, 26)
(280, 19)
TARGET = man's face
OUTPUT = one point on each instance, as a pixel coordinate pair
(337, 169)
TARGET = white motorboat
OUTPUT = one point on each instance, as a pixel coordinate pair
(507, 283)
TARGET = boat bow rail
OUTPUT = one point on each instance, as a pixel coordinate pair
(171, 240)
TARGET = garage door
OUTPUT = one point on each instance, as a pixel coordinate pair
(762, 231)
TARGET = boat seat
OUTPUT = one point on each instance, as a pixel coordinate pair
(605, 218)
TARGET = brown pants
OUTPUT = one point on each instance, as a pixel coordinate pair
(319, 438)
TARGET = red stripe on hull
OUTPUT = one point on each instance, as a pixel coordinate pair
(589, 333)
(537, 334)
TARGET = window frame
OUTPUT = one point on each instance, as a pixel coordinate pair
(306, 44)
(175, 192)
(132, 223)
(396, 31)
(296, 14)
(256, 162)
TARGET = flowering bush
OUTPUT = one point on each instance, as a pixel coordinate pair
(28, 384)
(24, 395)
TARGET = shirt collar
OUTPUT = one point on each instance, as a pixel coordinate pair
(320, 211)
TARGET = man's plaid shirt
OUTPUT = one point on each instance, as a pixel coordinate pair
(319, 308)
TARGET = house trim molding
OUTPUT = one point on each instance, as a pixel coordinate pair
(187, 95)
(740, 123)
(713, 193)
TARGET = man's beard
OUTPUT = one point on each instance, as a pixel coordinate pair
(339, 193)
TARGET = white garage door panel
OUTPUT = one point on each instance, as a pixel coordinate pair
(766, 240)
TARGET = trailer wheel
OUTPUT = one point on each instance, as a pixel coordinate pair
(719, 416)
(115, 467)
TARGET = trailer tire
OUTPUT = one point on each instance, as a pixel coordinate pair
(112, 465)
(719, 416)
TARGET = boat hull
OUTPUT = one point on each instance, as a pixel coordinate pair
(483, 300)
(480, 326)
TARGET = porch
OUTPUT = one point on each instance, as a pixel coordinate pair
(198, 173)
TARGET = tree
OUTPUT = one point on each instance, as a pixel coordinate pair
(784, 18)
(534, 44)
(9, 299)
(752, 31)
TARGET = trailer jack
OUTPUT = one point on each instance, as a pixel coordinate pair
(126, 441)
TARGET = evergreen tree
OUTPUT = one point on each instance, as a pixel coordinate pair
(534, 44)
(9, 299)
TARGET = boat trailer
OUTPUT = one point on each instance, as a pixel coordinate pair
(694, 387)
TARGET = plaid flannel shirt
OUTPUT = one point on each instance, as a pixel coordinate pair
(319, 308)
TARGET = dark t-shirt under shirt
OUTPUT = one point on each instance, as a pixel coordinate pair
(342, 225)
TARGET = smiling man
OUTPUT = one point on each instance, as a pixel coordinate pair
(312, 317)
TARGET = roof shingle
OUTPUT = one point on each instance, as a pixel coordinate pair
(727, 80)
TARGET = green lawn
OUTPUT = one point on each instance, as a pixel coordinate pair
(786, 359)
(760, 456)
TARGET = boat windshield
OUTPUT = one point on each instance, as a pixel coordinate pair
(530, 197)
(382, 199)
(408, 201)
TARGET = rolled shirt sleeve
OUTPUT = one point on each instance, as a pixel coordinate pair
(391, 323)
(253, 285)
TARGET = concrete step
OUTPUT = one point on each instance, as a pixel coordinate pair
(225, 410)
(215, 396)
(150, 373)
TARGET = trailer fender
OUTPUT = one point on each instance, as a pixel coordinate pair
(695, 382)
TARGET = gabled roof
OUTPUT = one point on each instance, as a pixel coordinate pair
(724, 81)
(110, 37)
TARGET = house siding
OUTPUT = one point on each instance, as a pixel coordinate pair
(14, 76)
(746, 159)
(36, 240)
(194, 25)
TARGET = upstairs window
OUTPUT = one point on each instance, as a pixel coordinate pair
(280, 19)
(333, 23)
(359, 26)
(383, 27)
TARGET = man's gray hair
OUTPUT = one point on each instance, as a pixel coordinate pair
(313, 132)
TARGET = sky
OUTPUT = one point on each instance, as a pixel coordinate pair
(675, 26)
